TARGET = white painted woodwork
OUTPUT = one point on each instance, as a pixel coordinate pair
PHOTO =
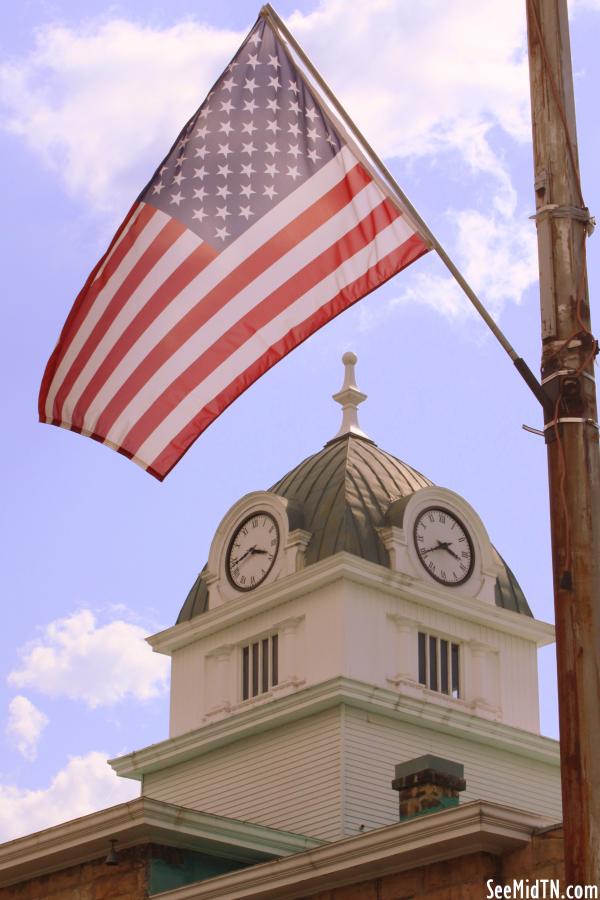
(292, 544)
(330, 773)
(349, 627)
(399, 540)
(316, 753)
(289, 777)
(373, 744)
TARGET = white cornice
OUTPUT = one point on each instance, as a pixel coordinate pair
(471, 828)
(316, 698)
(347, 566)
(143, 821)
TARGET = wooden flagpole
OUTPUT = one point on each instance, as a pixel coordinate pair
(571, 430)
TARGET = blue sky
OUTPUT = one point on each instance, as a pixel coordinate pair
(96, 552)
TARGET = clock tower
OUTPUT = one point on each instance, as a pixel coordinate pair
(353, 617)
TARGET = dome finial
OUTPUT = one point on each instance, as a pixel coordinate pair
(349, 397)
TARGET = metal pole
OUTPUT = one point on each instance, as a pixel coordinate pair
(386, 181)
(568, 351)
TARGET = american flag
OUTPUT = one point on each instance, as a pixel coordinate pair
(259, 226)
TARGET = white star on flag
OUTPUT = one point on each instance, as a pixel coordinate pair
(198, 295)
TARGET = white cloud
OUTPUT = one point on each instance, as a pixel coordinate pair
(440, 74)
(496, 255)
(78, 659)
(102, 104)
(87, 783)
(25, 725)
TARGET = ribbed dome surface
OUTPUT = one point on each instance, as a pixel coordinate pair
(344, 492)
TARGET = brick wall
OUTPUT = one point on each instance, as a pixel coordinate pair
(90, 881)
(542, 858)
(463, 878)
(457, 879)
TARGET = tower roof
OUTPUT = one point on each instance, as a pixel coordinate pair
(344, 493)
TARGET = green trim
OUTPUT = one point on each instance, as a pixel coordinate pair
(444, 803)
(190, 867)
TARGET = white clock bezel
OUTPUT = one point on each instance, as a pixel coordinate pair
(241, 525)
(441, 508)
(293, 541)
(398, 539)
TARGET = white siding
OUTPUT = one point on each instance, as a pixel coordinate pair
(186, 684)
(288, 778)
(374, 744)
(330, 773)
(519, 682)
(343, 628)
(517, 674)
(517, 686)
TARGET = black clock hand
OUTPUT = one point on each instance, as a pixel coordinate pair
(255, 550)
(236, 562)
(445, 545)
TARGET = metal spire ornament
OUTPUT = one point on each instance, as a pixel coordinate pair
(349, 398)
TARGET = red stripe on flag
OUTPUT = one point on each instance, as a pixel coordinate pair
(302, 281)
(378, 274)
(157, 303)
(159, 246)
(88, 294)
(287, 238)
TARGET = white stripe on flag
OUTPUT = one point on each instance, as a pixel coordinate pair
(105, 295)
(265, 284)
(230, 259)
(387, 241)
(257, 235)
(109, 255)
(165, 266)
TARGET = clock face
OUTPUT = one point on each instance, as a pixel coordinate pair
(444, 546)
(252, 551)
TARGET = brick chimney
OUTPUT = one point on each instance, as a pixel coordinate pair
(428, 784)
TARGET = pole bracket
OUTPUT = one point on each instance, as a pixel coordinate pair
(571, 372)
(532, 430)
(570, 420)
(559, 211)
